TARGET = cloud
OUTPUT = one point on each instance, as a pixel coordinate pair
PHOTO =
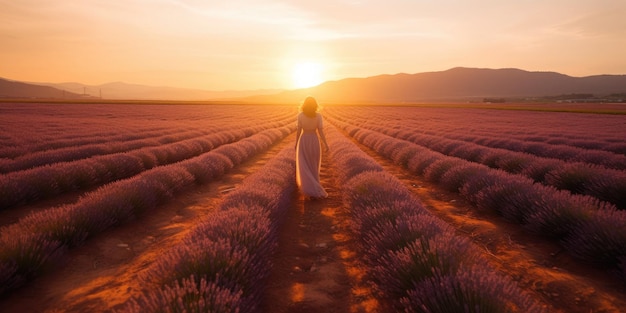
(605, 22)
(357, 37)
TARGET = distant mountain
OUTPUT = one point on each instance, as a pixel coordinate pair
(456, 84)
(15, 89)
(120, 90)
(453, 84)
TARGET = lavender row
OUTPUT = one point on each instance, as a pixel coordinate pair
(588, 131)
(591, 230)
(570, 149)
(221, 265)
(12, 149)
(68, 138)
(84, 148)
(40, 238)
(523, 125)
(78, 147)
(414, 133)
(579, 178)
(43, 182)
(415, 259)
(30, 129)
(11, 152)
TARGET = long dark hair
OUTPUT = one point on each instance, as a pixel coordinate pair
(309, 106)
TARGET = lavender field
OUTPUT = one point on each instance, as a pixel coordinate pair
(404, 184)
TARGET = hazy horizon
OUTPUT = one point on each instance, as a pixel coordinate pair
(132, 84)
(272, 44)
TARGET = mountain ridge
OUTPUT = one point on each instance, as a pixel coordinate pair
(123, 91)
(16, 89)
(455, 84)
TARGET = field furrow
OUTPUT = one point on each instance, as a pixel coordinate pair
(414, 259)
(316, 267)
(402, 126)
(40, 238)
(519, 130)
(167, 208)
(539, 267)
(605, 184)
(105, 273)
(592, 231)
(28, 157)
(42, 182)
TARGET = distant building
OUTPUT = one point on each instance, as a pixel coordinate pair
(494, 100)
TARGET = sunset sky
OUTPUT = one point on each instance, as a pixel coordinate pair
(268, 44)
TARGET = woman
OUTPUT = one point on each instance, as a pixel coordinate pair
(308, 152)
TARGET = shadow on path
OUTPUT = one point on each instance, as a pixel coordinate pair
(315, 267)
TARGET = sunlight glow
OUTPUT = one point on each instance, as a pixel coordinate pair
(279, 44)
(307, 74)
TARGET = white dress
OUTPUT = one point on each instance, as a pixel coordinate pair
(309, 156)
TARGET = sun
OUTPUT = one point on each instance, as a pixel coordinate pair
(307, 74)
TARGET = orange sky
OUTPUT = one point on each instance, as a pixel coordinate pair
(258, 44)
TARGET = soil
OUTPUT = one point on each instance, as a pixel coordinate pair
(316, 267)
(539, 266)
(102, 274)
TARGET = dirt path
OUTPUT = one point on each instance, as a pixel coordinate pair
(101, 274)
(315, 267)
(539, 266)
